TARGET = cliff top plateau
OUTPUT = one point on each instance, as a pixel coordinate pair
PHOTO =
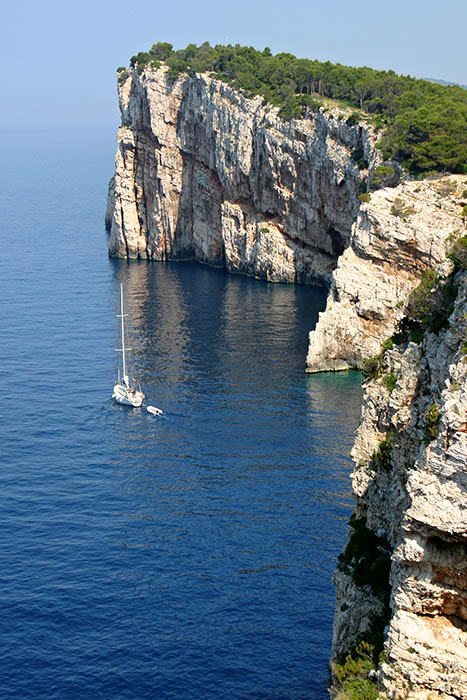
(424, 124)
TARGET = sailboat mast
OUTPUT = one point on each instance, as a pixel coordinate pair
(123, 335)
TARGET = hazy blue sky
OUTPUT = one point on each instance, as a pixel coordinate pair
(58, 58)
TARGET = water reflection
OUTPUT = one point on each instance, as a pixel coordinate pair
(232, 508)
(158, 325)
(191, 324)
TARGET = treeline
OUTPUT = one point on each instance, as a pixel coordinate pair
(424, 124)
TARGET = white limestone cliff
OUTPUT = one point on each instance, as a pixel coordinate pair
(396, 236)
(416, 501)
(204, 173)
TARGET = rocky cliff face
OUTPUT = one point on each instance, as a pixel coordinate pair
(410, 484)
(396, 236)
(203, 173)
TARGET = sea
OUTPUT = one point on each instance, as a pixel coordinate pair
(187, 556)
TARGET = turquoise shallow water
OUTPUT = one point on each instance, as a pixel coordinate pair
(188, 556)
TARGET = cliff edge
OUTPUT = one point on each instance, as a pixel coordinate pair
(402, 579)
(203, 173)
(399, 232)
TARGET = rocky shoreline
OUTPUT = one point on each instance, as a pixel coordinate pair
(397, 235)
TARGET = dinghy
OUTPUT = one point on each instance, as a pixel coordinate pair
(155, 411)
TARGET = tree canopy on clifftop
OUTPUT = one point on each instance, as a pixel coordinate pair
(423, 124)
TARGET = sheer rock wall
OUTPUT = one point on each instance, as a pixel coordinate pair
(388, 252)
(203, 173)
(418, 504)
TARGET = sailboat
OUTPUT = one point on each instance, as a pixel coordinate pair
(124, 392)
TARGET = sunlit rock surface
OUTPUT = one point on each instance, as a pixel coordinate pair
(419, 504)
(203, 173)
(396, 236)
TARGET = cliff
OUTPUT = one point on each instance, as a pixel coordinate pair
(399, 233)
(403, 576)
(202, 173)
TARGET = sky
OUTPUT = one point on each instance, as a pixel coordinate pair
(58, 58)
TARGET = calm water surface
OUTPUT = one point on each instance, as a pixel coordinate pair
(187, 557)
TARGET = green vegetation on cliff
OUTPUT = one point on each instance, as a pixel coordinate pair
(430, 304)
(424, 124)
(352, 677)
(367, 559)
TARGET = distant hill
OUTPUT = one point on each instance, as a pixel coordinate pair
(423, 123)
(446, 82)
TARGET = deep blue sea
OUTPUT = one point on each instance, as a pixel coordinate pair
(183, 557)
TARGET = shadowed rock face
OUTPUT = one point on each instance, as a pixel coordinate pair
(203, 173)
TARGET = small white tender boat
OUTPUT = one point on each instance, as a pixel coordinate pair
(155, 411)
(124, 392)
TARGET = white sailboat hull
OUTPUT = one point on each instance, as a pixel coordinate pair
(128, 397)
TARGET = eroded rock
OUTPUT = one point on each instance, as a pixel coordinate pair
(418, 501)
(204, 173)
(397, 235)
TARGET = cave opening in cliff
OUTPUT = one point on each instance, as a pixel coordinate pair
(337, 241)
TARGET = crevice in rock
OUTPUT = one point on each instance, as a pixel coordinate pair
(124, 232)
